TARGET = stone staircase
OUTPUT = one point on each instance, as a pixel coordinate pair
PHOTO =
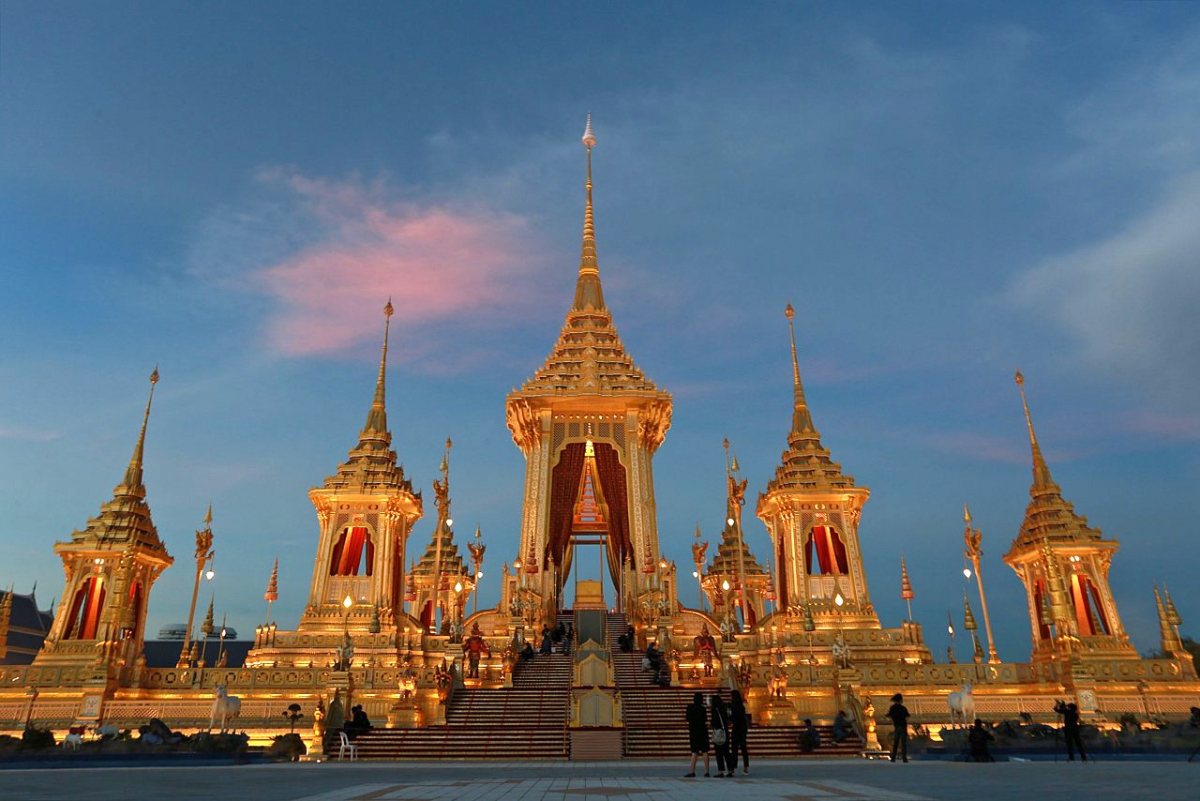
(656, 723)
(526, 721)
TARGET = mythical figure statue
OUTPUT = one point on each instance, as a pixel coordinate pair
(345, 653)
(841, 652)
(473, 648)
(704, 648)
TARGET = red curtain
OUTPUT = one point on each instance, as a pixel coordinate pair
(612, 484)
(564, 488)
(85, 610)
(347, 555)
(831, 552)
(1099, 608)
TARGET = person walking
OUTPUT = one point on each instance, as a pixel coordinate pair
(697, 722)
(741, 725)
(898, 713)
(1071, 731)
(720, 736)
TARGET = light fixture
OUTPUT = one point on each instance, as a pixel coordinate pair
(966, 572)
(478, 575)
(347, 602)
(458, 586)
(209, 575)
(662, 564)
(449, 521)
(729, 521)
(517, 564)
(725, 585)
(695, 574)
(950, 628)
(838, 599)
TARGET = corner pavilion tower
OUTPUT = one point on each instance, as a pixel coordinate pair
(1063, 563)
(110, 568)
(588, 422)
(811, 510)
(366, 511)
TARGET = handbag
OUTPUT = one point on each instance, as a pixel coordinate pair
(718, 737)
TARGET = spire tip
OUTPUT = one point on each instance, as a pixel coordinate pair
(589, 137)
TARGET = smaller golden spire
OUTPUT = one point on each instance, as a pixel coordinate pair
(968, 616)
(966, 514)
(377, 417)
(1172, 612)
(801, 417)
(133, 474)
(1041, 472)
(272, 593)
(207, 626)
(208, 516)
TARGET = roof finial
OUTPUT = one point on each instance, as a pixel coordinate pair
(1041, 473)
(133, 474)
(587, 289)
(966, 514)
(377, 417)
(801, 418)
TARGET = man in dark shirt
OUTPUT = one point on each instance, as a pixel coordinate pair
(1071, 731)
(898, 713)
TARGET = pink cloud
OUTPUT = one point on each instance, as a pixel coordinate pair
(438, 262)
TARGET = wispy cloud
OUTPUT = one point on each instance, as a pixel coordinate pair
(28, 434)
(1130, 301)
(328, 253)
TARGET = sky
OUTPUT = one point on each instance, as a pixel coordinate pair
(945, 192)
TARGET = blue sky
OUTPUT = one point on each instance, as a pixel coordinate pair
(944, 192)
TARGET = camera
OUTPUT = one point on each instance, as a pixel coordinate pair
(1060, 707)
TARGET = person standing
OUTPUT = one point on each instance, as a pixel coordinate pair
(978, 738)
(697, 721)
(721, 734)
(898, 713)
(741, 725)
(1071, 730)
(841, 727)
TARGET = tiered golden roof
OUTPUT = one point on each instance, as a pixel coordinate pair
(588, 357)
(125, 520)
(1048, 518)
(806, 463)
(371, 465)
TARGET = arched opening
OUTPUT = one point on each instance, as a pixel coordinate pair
(830, 552)
(353, 553)
(1089, 612)
(85, 609)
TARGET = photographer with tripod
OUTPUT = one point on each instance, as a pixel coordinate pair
(1070, 727)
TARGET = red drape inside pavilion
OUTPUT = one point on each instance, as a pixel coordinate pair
(347, 557)
(830, 552)
(612, 484)
(564, 489)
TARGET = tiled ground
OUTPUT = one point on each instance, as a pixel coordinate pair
(638, 780)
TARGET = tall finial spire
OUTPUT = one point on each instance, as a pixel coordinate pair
(377, 417)
(1041, 472)
(587, 288)
(133, 474)
(801, 418)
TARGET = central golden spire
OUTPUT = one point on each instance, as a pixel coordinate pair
(588, 294)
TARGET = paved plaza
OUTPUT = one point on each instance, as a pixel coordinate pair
(834, 779)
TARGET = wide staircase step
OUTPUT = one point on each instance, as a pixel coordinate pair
(656, 722)
(525, 721)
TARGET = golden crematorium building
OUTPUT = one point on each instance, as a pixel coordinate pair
(387, 623)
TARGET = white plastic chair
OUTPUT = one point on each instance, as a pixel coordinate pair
(347, 745)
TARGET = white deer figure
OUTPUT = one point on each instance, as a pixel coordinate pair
(227, 706)
(962, 705)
